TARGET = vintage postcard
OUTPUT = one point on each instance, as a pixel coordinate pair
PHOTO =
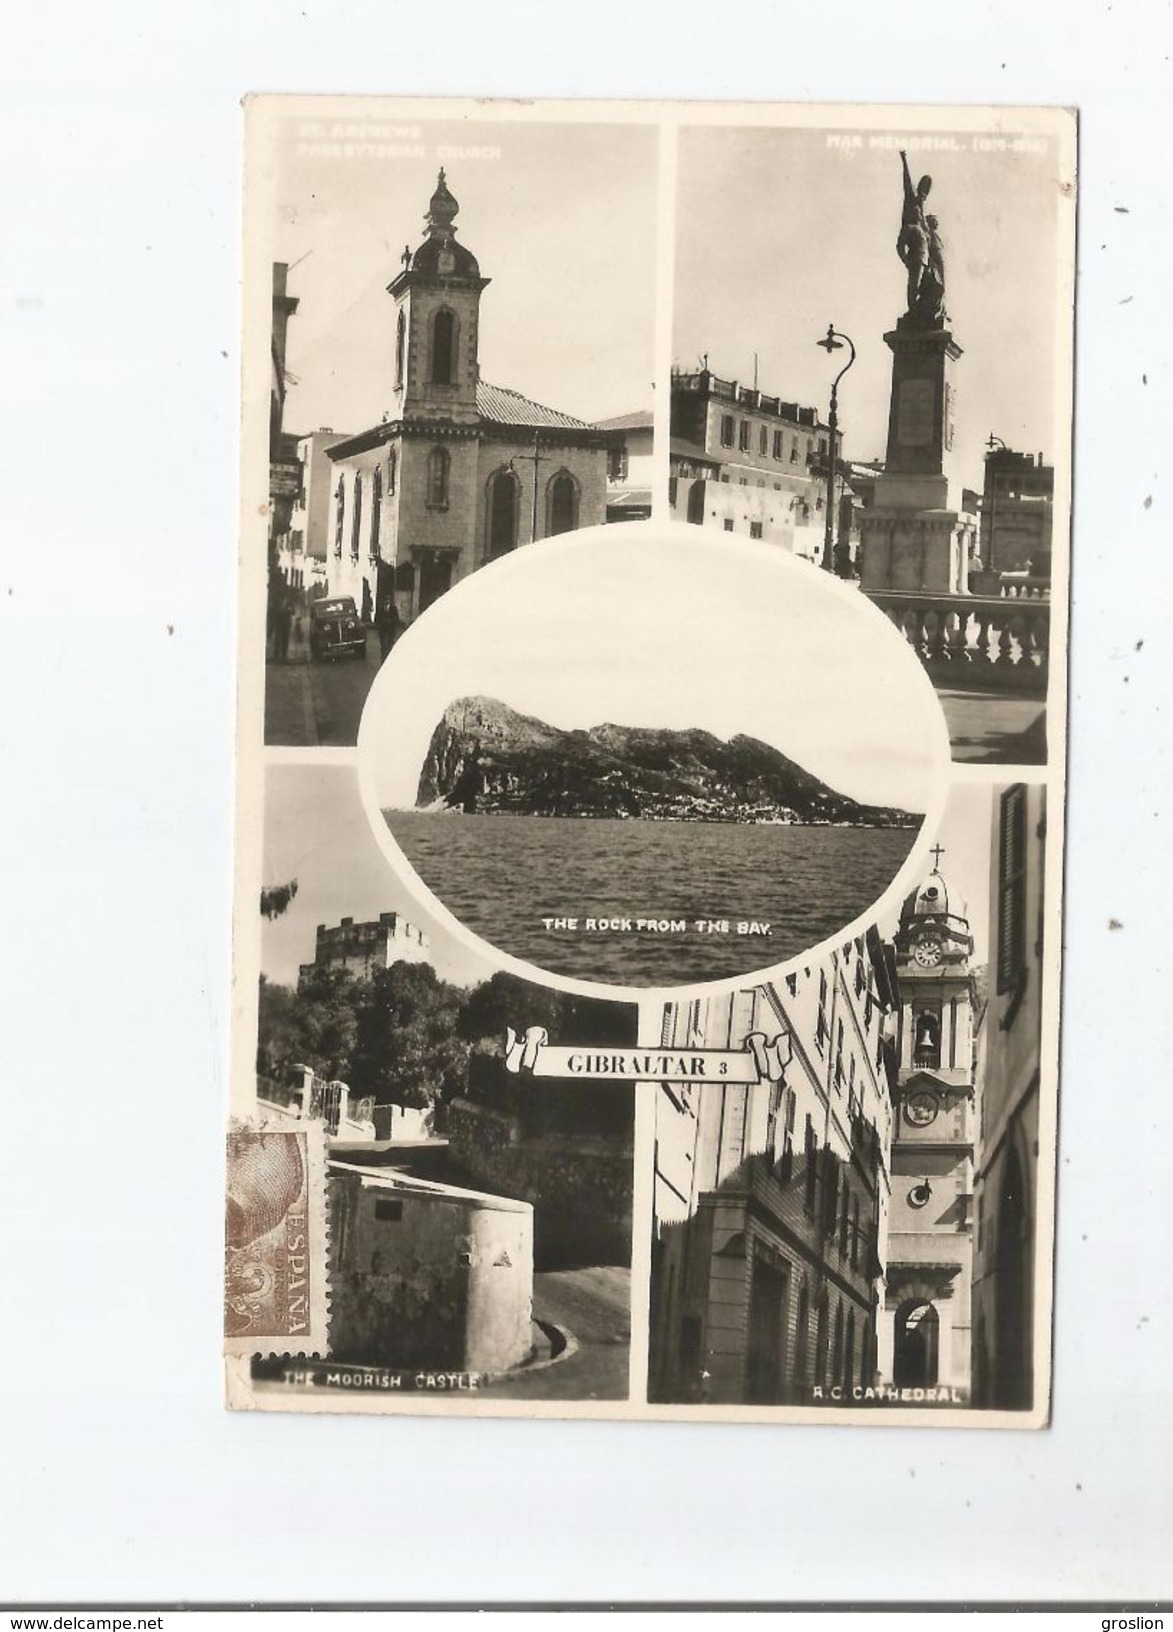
(653, 609)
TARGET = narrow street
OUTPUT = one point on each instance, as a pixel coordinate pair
(594, 1306)
(312, 704)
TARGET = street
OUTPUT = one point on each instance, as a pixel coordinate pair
(593, 1306)
(312, 704)
(986, 729)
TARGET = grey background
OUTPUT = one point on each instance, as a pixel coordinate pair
(121, 1477)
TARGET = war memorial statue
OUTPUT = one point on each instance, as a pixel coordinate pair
(920, 248)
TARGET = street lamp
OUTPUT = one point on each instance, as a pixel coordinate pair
(834, 341)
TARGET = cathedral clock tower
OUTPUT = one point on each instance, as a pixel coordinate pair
(924, 1337)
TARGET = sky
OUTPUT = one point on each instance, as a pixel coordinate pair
(317, 832)
(667, 628)
(964, 835)
(781, 232)
(564, 228)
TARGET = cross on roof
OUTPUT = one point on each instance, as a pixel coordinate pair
(937, 852)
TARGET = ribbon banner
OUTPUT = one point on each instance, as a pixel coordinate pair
(760, 1060)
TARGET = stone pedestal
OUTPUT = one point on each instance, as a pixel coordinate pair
(916, 536)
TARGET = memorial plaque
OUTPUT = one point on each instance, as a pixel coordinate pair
(914, 414)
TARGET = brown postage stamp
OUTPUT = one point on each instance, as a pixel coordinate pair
(275, 1281)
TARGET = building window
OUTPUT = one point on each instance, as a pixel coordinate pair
(392, 470)
(855, 1233)
(822, 1031)
(755, 529)
(444, 347)
(792, 984)
(503, 507)
(810, 1171)
(339, 514)
(728, 524)
(400, 346)
(617, 465)
(777, 450)
(763, 435)
(438, 469)
(726, 430)
(743, 436)
(1012, 889)
(376, 512)
(839, 1055)
(562, 501)
(356, 519)
(794, 452)
(844, 1218)
(786, 1168)
(672, 481)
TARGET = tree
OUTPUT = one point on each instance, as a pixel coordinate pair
(406, 1049)
(276, 900)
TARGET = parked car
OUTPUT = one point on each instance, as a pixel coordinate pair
(335, 626)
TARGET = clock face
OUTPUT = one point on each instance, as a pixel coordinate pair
(927, 953)
(921, 1109)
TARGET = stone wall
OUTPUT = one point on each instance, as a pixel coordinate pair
(580, 1189)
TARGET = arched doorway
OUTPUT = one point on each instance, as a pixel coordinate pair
(563, 504)
(504, 490)
(915, 1360)
(696, 502)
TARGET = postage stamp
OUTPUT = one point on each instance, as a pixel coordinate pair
(276, 1297)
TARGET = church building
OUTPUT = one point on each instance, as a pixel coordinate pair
(459, 472)
(925, 1322)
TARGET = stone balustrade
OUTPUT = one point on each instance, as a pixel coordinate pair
(983, 642)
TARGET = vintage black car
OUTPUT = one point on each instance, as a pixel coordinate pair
(335, 627)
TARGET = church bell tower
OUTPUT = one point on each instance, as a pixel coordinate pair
(925, 1338)
(437, 310)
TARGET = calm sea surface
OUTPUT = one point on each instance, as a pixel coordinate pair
(502, 875)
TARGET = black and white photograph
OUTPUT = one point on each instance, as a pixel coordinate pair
(647, 935)
(461, 364)
(597, 780)
(480, 1219)
(860, 1228)
(872, 370)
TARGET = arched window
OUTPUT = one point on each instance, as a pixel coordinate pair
(392, 470)
(438, 464)
(400, 347)
(376, 512)
(562, 504)
(926, 1039)
(339, 514)
(696, 502)
(356, 518)
(504, 493)
(444, 347)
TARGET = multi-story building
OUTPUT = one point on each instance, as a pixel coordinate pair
(771, 1198)
(747, 462)
(365, 948)
(1006, 1169)
(459, 472)
(1017, 514)
(629, 466)
(925, 1330)
(304, 549)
